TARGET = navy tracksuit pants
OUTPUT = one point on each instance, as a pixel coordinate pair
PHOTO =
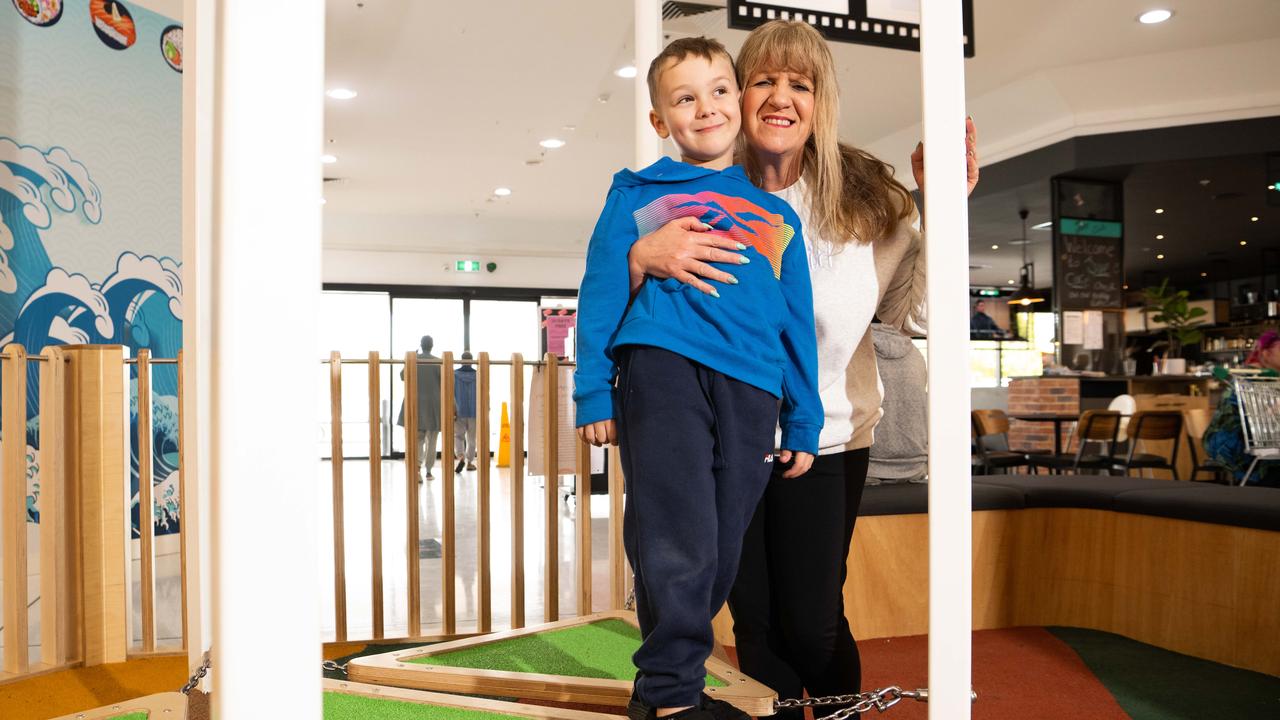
(696, 448)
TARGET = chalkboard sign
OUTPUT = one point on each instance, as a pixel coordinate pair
(1089, 265)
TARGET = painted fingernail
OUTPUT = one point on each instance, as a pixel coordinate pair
(733, 280)
(743, 259)
(705, 227)
(741, 246)
(714, 293)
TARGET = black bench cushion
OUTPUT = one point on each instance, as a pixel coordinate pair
(913, 499)
(1251, 507)
(1074, 491)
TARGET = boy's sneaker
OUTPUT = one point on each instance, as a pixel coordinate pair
(721, 710)
(637, 710)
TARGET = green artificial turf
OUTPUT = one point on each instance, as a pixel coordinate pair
(131, 716)
(601, 649)
(340, 706)
(1151, 683)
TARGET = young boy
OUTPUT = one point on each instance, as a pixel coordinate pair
(698, 377)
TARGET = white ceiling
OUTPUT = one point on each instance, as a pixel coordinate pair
(454, 98)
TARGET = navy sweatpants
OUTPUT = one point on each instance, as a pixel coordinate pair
(696, 448)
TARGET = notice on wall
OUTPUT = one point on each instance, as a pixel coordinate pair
(1072, 327)
(1093, 330)
(567, 440)
(556, 326)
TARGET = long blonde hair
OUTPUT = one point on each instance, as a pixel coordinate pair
(853, 196)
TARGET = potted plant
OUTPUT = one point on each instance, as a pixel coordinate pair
(1180, 320)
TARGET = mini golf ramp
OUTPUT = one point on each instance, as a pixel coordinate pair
(346, 700)
(584, 660)
(163, 706)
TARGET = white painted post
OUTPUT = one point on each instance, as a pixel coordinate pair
(268, 120)
(947, 253)
(197, 262)
(648, 43)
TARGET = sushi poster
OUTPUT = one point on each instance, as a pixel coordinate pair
(91, 202)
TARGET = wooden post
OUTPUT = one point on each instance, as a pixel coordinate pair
(485, 619)
(449, 553)
(617, 554)
(100, 450)
(336, 462)
(53, 510)
(517, 491)
(583, 527)
(413, 578)
(13, 506)
(551, 488)
(146, 506)
(375, 489)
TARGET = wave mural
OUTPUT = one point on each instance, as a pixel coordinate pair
(138, 305)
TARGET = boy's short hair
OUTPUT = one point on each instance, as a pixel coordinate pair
(701, 46)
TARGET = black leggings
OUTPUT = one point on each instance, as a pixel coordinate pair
(788, 601)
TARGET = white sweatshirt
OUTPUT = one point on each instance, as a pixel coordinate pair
(853, 283)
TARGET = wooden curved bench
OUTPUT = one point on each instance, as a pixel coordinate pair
(1190, 568)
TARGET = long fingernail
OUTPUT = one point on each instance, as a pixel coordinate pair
(714, 293)
(705, 227)
(743, 259)
(733, 280)
(741, 246)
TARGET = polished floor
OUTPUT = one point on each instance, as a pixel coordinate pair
(359, 564)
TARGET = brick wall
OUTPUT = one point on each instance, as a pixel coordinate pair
(1041, 395)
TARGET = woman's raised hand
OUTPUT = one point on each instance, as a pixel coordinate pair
(682, 249)
(971, 157)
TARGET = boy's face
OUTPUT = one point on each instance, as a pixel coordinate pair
(697, 107)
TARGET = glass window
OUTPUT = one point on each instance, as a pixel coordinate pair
(353, 323)
(502, 328)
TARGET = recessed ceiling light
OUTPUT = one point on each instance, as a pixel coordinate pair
(1159, 211)
(1160, 256)
(502, 191)
(341, 94)
(626, 71)
(568, 128)
(1043, 226)
(1253, 219)
(328, 159)
(1012, 282)
(1151, 17)
(1204, 274)
(995, 247)
(1159, 237)
(552, 143)
(1126, 287)
(1244, 242)
(323, 201)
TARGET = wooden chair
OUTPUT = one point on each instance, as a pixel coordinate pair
(1197, 421)
(991, 441)
(1094, 426)
(1152, 425)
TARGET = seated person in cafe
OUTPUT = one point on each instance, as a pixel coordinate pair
(981, 323)
(1224, 438)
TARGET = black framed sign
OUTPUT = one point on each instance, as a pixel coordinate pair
(883, 23)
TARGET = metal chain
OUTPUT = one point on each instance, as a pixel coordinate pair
(630, 604)
(859, 703)
(332, 666)
(198, 675)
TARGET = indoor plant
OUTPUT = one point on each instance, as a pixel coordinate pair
(1171, 308)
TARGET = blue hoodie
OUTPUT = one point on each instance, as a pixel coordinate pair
(759, 331)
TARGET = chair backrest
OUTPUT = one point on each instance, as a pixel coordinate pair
(1099, 425)
(1259, 401)
(1156, 425)
(990, 422)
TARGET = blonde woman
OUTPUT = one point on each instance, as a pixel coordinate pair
(863, 241)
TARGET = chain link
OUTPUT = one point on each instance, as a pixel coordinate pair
(630, 604)
(332, 666)
(858, 703)
(198, 675)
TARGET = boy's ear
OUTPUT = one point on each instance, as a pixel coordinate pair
(659, 126)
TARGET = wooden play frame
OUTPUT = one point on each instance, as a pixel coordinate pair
(163, 706)
(394, 668)
(533, 712)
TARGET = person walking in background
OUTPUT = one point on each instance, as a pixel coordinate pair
(900, 451)
(464, 414)
(428, 408)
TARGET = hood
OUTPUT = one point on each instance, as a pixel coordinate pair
(667, 170)
(890, 344)
(466, 369)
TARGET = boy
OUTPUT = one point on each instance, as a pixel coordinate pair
(698, 377)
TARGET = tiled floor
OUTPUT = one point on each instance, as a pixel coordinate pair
(359, 563)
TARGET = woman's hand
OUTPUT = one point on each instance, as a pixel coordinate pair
(971, 157)
(599, 433)
(682, 249)
(802, 462)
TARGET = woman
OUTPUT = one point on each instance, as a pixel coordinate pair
(1224, 437)
(860, 229)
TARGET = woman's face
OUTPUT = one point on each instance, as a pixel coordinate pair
(777, 112)
(1271, 357)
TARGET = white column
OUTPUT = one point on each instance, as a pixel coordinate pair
(947, 252)
(268, 120)
(197, 174)
(648, 43)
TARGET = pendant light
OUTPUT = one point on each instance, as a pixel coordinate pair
(1026, 293)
